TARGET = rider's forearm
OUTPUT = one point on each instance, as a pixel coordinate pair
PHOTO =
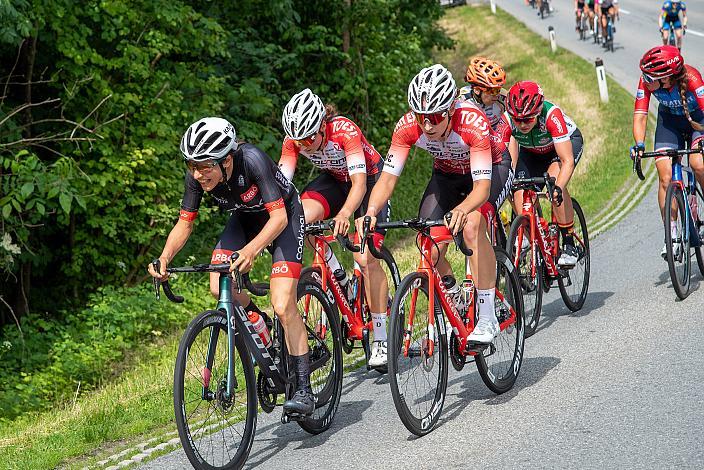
(640, 122)
(566, 154)
(476, 197)
(177, 239)
(383, 189)
(278, 220)
(356, 195)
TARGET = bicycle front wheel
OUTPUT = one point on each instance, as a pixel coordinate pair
(216, 428)
(696, 204)
(677, 244)
(574, 285)
(499, 364)
(321, 322)
(418, 358)
(526, 261)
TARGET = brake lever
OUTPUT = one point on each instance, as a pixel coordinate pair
(237, 274)
(156, 282)
(366, 224)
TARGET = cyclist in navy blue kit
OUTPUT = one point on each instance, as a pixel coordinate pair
(266, 212)
(670, 18)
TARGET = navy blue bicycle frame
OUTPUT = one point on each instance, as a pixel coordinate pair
(690, 231)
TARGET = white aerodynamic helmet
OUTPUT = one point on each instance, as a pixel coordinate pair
(432, 90)
(303, 115)
(210, 138)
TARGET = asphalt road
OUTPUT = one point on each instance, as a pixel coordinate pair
(617, 385)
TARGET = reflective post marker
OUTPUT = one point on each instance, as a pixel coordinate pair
(493, 6)
(553, 43)
(601, 78)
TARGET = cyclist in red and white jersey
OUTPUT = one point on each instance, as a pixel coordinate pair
(546, 140)
(350, 169)
(457, 135)
(265, 212)
(680, 91)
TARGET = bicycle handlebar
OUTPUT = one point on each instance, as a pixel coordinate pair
(317, 228)
(419, 224)
(549, 181)
(671, 153)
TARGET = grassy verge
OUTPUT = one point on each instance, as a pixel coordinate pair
(138, 404)
(567, 80)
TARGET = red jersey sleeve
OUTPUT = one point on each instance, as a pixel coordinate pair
(695, 85)
(556, 125)
(289, 158)
(406, 133)
(642, 98)
(348, 135)
(473, 127)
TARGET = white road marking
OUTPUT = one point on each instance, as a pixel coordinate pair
(625, 12)
(696, 33)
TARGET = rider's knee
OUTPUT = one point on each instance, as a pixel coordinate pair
(282, 304)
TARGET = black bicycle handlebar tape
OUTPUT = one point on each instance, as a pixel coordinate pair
(459, 240)
(166, 286)
(638, 168)
(259, 290)
(347, 243)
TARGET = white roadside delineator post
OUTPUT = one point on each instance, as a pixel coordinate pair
(553, 43)
(493, 6)
(601, 78)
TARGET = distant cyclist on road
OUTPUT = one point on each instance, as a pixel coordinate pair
(579, 10)
(607, 8)
(670, 18)
(666, 77)
(546, 140)
(350, 168)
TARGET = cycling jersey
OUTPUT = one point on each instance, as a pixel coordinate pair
(670, 99)
(497, 120)
(469, 137)
(606, 4)
(553, 127)
(256, 184)
(346, 152)
(531, 165)
(671, 11)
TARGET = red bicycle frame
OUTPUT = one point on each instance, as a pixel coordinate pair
(547, 243)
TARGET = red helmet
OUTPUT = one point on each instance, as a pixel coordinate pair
(525, 99)
(662, 61)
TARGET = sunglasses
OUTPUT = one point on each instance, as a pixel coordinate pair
(308, 141)
(202, 167)
(490, 91)
(525, 120)
(434, 119)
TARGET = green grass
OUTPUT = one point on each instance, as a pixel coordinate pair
(138, 404)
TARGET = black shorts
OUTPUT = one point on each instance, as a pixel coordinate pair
(332, 194)
(532, 165)
(605, 11)
(286, 249)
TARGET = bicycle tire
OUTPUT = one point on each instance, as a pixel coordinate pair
(499, 365)
(699, 223)
(403, 401)
(392, 272)
(327, 384)
(575, 301)
(531, 287)
(679, 283)
(209, 320)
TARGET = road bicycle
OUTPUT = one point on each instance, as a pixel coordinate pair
(685, 198)
(418, 340)
(596, 30)
(351, 301)
(610, 30)
(544, 9)
(215, 391)
(583, 26)
(534, 247)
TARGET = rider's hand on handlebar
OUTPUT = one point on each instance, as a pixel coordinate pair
(162, 275)
(557, 195)
(457, 221)
(637, 150)
(342, 225)
(359, 224)
(244, 261)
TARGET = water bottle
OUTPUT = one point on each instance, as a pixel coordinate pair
(342, 278)
(260, 327)
(467, 294)
(453, 291)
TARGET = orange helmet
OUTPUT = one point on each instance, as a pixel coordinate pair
(485, 73)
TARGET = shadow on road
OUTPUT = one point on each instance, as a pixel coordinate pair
(665, 280)
(557, 309)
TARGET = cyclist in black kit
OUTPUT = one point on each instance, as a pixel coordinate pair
(265, 212)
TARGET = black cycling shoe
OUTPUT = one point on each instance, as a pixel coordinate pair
(301, 404)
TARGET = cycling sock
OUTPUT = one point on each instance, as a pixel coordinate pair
(253, 308)
(673, 228)
(332, 260)
(567, 232)
(485, 302)
(302, 366)
(379, 320)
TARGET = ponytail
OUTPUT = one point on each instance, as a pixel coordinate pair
(682, 82)
(330, 112)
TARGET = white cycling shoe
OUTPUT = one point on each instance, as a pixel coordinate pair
(676, 247)
(485, 331)
(569, 257)
(379, 355)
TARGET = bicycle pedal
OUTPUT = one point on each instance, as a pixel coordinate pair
(473, 346)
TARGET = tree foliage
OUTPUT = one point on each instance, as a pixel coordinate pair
(97, 94)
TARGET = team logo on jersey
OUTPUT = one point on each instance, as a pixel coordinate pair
(700, 92)
(248, 195)
(557, 123)
(240, 181)
(640, 94)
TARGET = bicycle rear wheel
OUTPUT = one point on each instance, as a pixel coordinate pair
(216, 431)
(523, 258)
(574, 287)
(419, 379)
(321, 322)
(678, 257)
(499, 364)
(696, 203)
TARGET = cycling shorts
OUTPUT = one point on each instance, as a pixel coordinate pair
(580, 6)
(605, 11)
(675, 132)
(533, 165)
(286, 249)
(676, 24)
(445, 191)
(332, 194)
